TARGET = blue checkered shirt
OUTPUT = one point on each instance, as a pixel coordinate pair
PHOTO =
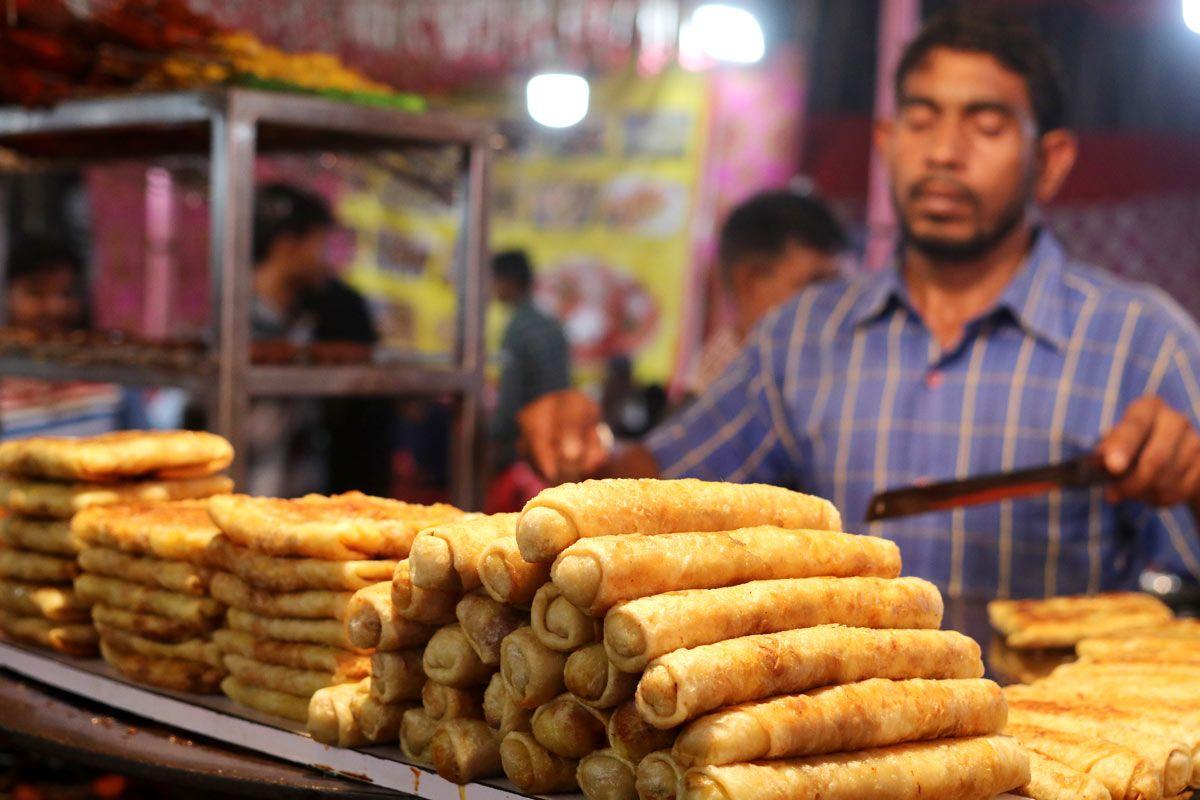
(844, 392)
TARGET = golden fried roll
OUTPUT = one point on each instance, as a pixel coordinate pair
(856, 716)
(1024, 666)
(116, 455)
(465, 750)
(345, 527)
(289, 680)
(330, 718)
(397, 676)
(560, 515)
(149, 626)
(604, 775)
(687, 683)
(1064, 621)
(173, 576)
(446, 702)
(532, 672)
(416, 732)
(117, 593)
(50, 536)
(1050, 780)
(312, 604)
(499, 710)
(568, 728)
(277, 574)
(946, 769)
(200, 650)
(64, 500)
(268, 701)
(450, 660)
(595, 680)
(343, 664)
(23, 565)
(508, 577)
(659, 777)
(174, 531)
(595, 574)
(632, 738)
(75, 639)
(58, 603)
(371, 622)
(1168, 673)
(380, 722)
(328, 632)
(533, 768)
(1139, 649)
(1171, 759)
(430, 606)
(485, 622)
(641, 630)
(1124, 773)
(194, 677)
(446, 556)
(560, 625)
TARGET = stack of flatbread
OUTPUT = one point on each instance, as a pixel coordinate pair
(45, 481)
(1122, 721)
(702, 640)
(288, 570)
(145, 575)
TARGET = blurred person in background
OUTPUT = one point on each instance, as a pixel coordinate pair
(298, 445)
(46, 294)
(770, 247)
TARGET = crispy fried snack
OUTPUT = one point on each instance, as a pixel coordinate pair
(289, 680)
(343, 664)
(533, 768)
(1064, 621)
(199, 611)
(560, 625)
(501, 712)
(446, 556)
(150, 626)
(58, 603)
(193, 677)
(201, 651)
(64, 500)
(596, 681)
(331, 718)
(446, 702)
(486, 622)
(397, 676)
(74, 639)
(372, 622)
(22, 565)
(278, 574)
(507, 576)
(312, 604)
(50, 536)
(605, 775)
(173, 576)
(328, 632)
(117, 456)
(465, 750)
(276, 704)
(430, 606)
(176, 531)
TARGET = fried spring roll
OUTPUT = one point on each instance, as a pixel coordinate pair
(632, 738)
(416, 732)
(446, 702)
(595, 680)
(328, 632)
(499, 710)
(379, 722)
(641, 630)
(1050, 780)
(276, 704)
(450, 660)
(568, 728)
(58, 603)
(595, 574)
(397, 676)
(372, 622)
(312, 604)
(533, 768)
(446, 556)
(687, 683)
(560, 625)
(75, 639)
(1124, 773)
(331, 718)
(288, 680)
(193, 677)
(532, 672)
(173, 576)
(465, 750)
(604, 775)
(428, 606)
(561, 515)
(24, 565)
(659, 777)
(485, 622)
(140, 599)
(508, 577)
(856, 716)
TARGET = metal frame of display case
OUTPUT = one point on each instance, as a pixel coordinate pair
(232, 127)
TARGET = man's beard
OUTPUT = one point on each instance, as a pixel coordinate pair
(951, 250)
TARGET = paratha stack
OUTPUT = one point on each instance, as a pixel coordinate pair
(701, 640)
(145, 574)
(289, 571)
(1123, 721)
(45, 481)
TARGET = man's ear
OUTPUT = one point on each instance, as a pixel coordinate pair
(1059, 148)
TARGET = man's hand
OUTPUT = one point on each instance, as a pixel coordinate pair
(1154, 455)
(560, 434)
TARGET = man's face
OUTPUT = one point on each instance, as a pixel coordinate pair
(305, 258)
(48, 301)
(963, 154)
(760, 287)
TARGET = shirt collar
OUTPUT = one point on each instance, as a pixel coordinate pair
(1033, 299)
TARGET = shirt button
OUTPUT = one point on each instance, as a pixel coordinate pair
(933, 379)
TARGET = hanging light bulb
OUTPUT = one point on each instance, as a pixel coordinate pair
(557, 99)
(1191, 15)
(727, 33)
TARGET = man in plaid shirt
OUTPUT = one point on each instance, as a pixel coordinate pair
(983, 347)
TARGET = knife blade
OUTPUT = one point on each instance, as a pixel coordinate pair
(1086, 470)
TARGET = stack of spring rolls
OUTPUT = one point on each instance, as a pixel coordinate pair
(45, 481)
(702, 640)
(289, 571)
(1123, 721)
(146, 576)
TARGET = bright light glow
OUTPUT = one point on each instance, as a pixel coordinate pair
(557, 99)
(728, 33)
(1191, 15)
